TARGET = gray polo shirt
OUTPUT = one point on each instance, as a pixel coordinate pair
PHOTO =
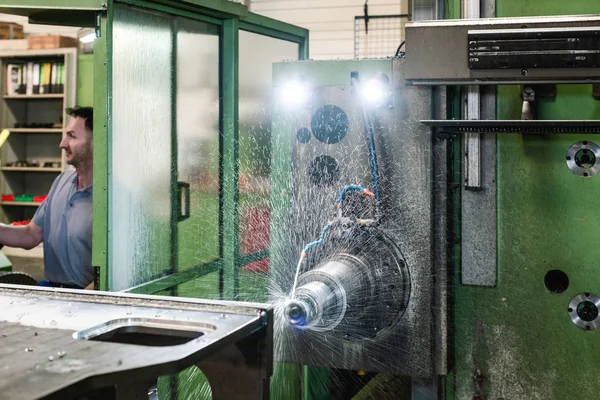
(66, 218)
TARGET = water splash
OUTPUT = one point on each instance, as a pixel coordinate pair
(296, 277)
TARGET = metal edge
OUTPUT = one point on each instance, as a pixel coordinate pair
(90, 5)
(441, 250)
(273, 27)
(229, 174)
(506, 81)
(175, 190)
(192, 14)
(175, 279)
(102, 153)
(172, 366)
(217, 8)
(109, 298)
(246, 259)
(507, 20)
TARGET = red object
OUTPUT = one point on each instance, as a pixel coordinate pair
(39, 199)
(8, 197)
(19, 223)
(254, 235)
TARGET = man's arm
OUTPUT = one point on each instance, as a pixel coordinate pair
(27, 236)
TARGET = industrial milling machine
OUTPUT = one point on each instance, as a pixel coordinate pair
(365, 177)
(368, 180)
(432, 214)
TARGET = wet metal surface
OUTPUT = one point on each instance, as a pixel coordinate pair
(43, 332)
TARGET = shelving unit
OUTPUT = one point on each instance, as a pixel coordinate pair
(20, 203)
(33, 96)
(37, 144)
(36, 130)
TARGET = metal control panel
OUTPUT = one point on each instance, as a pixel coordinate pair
(534, 48)
(503, 50)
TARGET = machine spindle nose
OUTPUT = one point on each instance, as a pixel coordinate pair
(296, 313)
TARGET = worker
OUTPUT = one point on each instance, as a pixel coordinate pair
(64, 220)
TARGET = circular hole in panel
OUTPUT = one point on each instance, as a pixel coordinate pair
(585, 158)
(556, 281)
(324, 171)
(329, 124)
(587, 311)
(303, 135)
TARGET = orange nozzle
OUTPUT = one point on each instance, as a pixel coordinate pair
(369, 193)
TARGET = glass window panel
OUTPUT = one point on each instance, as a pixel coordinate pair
(140, 201)
(198, 139)
(198, 165)
(257, 54)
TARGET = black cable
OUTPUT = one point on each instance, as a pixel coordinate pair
(366, 15)
(371, 149)
(399, 47)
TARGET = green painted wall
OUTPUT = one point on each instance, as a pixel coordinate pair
(85, 80)
(516, 341)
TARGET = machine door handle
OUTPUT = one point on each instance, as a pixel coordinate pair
(183, 189)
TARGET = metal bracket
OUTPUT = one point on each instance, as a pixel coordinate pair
(529, 93)
(439, 51)
(528, 108)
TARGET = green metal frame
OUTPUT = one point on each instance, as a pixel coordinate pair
(102, 149)
(57, 12)
(231, 260)
(29, 7)
(232, 17)
(215, 8)
(229, 212)
(175, 194)
(198, 271)
(178, 10)
(176, 279)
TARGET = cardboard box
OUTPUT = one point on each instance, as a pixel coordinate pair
(51, 42)
(10, 30)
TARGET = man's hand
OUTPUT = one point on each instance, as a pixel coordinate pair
(90, 286)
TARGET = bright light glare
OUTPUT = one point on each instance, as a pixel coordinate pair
(294, 93)
(88, 38)
(373, 90)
